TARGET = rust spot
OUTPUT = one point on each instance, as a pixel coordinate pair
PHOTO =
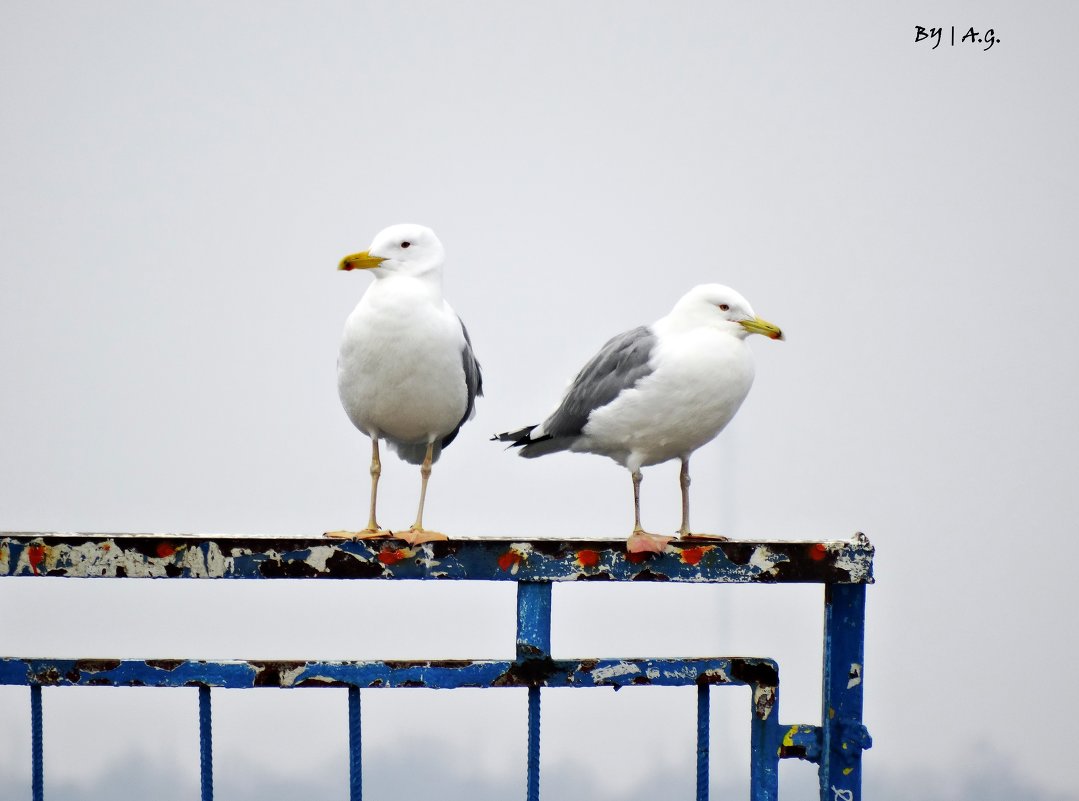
(509, 559)
(587, 558)
(268, 674)
(36, 555)
(637, 558)
(817, 551)
(165, 549)
(391, 556)
(527, 672)
(692, 556)
(96, 665)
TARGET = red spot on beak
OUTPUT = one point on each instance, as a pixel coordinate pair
(165, 549)
(817, 551)
(391, 556)
(587, 558)
(36, 555)
(692, 555)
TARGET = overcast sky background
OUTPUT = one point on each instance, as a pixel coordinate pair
(179, 181)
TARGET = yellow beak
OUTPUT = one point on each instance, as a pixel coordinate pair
(360, 261)
(759, 326)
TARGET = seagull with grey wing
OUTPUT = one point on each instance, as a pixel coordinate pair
(406, 372)
(657, 393)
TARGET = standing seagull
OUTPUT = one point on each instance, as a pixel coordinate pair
(657, 392)
(406, 372)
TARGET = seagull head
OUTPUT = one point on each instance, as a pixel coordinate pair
(404, 249)
(720, 306)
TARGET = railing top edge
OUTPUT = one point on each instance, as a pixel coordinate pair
(125, 555)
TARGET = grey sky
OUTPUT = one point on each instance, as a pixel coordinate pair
(180, 179)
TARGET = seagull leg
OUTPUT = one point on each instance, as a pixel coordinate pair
(418, 534)
(683, 482)
(640, 541)
(684, 532)
(373, 531)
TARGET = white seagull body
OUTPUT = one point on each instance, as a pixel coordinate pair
(406, 372)
(657, 393)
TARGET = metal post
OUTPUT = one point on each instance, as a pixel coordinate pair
(206, 744)
(764, 740)
(702, 742)
(843, 735)
(37, 756)
(533, 643)
(355, 759)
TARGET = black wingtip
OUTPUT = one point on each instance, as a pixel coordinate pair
(517, 438)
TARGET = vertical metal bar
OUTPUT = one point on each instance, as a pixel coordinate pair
(844, 736)
(206, 744)
(764, 743)
(533, 743)
(355, 758)
(533, 643)
(702, 742)
(533, 620)
(37, 750)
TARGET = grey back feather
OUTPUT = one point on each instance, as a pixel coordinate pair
(619, 365)
(473, 383)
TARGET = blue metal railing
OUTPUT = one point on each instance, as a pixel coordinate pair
(844, 568)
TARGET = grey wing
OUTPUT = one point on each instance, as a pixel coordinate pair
(473, 383)
(619, 365)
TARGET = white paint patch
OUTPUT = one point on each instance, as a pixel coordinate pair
(621, 669)
(855, 675)
(720, 672)
(764, 560)
(288, 677)
(857, 569)
(319, 555)
(652, 674)
(685, 672)
(764, 698)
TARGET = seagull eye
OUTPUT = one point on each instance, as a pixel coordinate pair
(406, 244)
(724, 307)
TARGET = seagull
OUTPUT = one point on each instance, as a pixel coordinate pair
(406, 372)
(657, 393)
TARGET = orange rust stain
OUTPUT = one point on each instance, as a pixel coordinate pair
(508, 560)
(390, 556)
(817, 551)
(637, 558)
(36, 555)
(165, 549)
(587, 558)
(692, 555)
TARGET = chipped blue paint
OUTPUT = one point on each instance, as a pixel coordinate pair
(843, 737)
(158, 556)
(449, 674)
(843, 567)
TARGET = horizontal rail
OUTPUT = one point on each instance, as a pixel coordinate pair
(84, 555)
(445, 674)
(761, 675)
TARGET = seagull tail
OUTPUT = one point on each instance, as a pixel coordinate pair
(532, 447)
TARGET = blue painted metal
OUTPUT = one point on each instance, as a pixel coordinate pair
(703, 729)
(843, 567)
(152, 556)
(355, 750)
(206, 745)
(448, 674)
(843, 736)
(533, 660)
(532, 789)
(37, 745)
